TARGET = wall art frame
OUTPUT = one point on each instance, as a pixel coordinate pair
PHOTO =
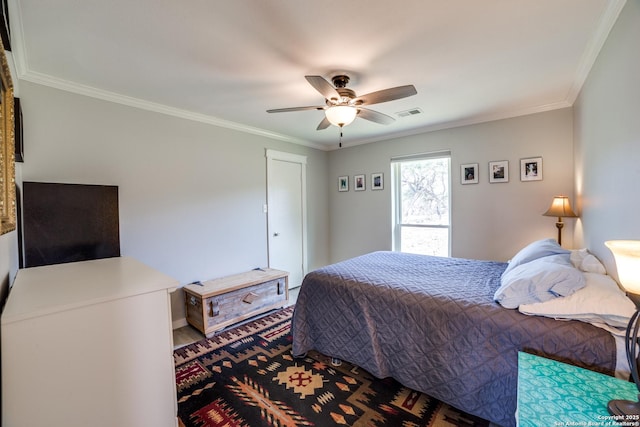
(7, 149)
(469, 173)
(531, 169)
(499, 171)
(5, 28)
(359, 183)
(17, 121)
(377, 181)
(343, 183)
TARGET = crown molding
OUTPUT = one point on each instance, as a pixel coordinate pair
(23, 72)
(485, 118)
(591, 52)
(68, 86)
(608, 20)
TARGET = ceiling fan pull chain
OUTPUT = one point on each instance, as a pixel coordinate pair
(340, 143)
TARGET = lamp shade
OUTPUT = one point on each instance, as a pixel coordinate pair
(627, 256)
(560, 207)
(341, 115)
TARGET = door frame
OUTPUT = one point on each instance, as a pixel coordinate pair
(273, 155)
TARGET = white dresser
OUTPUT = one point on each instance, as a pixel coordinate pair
(89, 344)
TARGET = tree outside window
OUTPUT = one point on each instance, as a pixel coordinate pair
(422, 206)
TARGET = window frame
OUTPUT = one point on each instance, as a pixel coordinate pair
(396, 197)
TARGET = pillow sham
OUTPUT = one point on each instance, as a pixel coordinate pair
(539, 280)
(600, 301)
(583, 260)
(536, 250)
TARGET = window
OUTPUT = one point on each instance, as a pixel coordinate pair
(421, 204)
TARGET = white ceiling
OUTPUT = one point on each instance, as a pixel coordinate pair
(227, 61)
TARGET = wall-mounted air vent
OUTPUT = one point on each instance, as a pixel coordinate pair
(411, 112)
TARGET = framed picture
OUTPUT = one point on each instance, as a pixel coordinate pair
(358, 183)
(469, 173)
(343, 183)
(377, 182)
(499, 171)
(17, 120)
(531, 169)
(8, 216)
(5, 33)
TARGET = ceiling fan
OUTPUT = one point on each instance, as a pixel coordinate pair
(342, 104)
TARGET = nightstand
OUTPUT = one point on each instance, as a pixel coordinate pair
(552, 393)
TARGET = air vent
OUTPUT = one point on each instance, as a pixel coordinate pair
(411, 112)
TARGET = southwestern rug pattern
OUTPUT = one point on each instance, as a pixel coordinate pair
(246, 377)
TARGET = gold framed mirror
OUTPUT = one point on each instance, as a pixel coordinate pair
(7, 149)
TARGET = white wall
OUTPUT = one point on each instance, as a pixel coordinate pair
(191, 195)
(9, 254)
(607, 130)
(8, 263)
(489, 221)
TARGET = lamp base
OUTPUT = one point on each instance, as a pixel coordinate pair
(623, 407)
(560, 224)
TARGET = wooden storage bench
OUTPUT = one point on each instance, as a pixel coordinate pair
(218, 303)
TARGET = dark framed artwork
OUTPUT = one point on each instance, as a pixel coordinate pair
(17, 112)
(5, 32)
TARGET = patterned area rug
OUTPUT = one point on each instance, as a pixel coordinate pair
(246, 377)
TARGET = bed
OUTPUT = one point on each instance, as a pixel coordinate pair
(434, 325)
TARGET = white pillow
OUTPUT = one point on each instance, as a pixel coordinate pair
(583, 260)
(536, 250)
(538, 280)
(600, 301)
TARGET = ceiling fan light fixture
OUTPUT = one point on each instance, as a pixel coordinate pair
(341, 115)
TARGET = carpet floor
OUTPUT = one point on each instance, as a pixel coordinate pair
(246, 377)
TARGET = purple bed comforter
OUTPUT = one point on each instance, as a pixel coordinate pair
(431, 323)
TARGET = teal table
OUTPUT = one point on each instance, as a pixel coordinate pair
(556, 394)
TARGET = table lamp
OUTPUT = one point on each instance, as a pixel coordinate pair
(561, 208)
(627, 256)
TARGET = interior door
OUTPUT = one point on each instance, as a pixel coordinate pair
(286, 224)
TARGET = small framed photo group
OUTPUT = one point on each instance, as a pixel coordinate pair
(530, 170)
(359, 182)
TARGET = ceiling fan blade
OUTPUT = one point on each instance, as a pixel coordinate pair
(386, 95)
(325, 123)
(286, 110)
(325, 88)
(375, 116)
